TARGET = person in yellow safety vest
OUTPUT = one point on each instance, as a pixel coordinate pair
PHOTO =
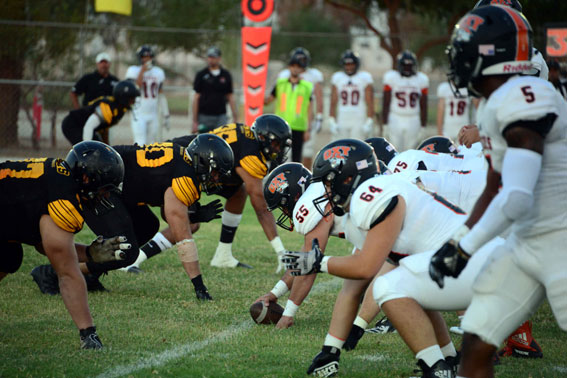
(293, 103)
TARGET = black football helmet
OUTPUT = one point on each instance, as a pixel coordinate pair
(283, 187)
(274, 135)
(407, 63)
(384, 150)
(145, 50)
(124, 91)
(97, 169)
(349, 56)
(489, 40)
(212, 159)
(342, 166)
(515, 4)
(439, 144)
(300, 56)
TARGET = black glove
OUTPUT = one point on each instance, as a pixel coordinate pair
(103, 250)
(89, 338)
(304, 263)
(449, 260)
(205, 213)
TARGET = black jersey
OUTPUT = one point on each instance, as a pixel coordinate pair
(106, 108)
(151, 169)
(34, 187)
(245, 147)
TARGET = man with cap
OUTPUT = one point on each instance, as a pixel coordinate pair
(213, 89)
(95, 84)
(555, 78)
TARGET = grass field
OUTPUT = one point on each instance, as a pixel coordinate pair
(152, 325)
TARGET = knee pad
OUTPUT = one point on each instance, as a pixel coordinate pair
(231, 219)
(381, 290)
(12, 257)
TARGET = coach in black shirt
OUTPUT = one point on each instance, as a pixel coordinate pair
(213, 89)
(95, 84)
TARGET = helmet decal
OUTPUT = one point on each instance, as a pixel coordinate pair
(278, 183)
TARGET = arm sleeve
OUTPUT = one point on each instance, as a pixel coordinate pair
(92, 123)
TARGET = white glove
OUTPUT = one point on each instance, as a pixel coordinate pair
(333, 126)
(367, 126)
(304, 263)
(317, 123)
(166, 124)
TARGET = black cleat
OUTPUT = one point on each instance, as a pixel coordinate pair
(203, 294)
(46, 279)
(355, 334)
(90, 339)
(242, 265)
(325, 363)
(93, 283)
(382, 326)
(454, 362)
(441, 369)
(134, 269)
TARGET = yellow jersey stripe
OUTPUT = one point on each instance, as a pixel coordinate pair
(185, 190)
(65, 215)
(254, 166)
(106, 112)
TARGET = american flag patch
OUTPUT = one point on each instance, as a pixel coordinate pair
(486, 50)
(361, 164)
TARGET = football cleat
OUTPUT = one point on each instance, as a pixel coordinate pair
(354, 336)
(93, 283)
(454, 362)
(46, 279)
(203, 294)
(90, 339)
(456, 330)
(325, 363)
(382, 326)
(522, 344)
(441, 369)
(134, 269)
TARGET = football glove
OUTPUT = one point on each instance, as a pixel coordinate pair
(304, 263)
(205, 213)
(89, 338)
(103, 250)
(333, 126)
(449, 260)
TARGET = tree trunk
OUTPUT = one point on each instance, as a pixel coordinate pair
(10, 68)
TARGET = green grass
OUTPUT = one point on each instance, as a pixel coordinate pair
(146, 317)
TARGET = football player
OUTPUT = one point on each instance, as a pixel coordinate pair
(523, 118)
(88, 122)
(314, 76)
(149, 79)
(41, 204)
(257, 150)
(352, 100)
(176, 176)
(452, 112)
(404, 105)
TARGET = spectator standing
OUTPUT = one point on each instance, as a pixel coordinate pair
(555, 78)
(314, 76)
(152, 101)
(95, 85)
(213, 89)
(293, 103)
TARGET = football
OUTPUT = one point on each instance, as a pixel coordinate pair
(266, 314)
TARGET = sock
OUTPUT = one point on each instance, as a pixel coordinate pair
(360, 322)
(198, 282)
(158, 244)
(230, 223)
(430, 355)
(449, 350)
(141, 258)
(333, 341)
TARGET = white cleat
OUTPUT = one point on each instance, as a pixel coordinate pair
(457, 330)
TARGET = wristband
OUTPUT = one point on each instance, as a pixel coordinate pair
(290, 309)
(461, 232)
(277, 245)
(324, 263)
(280, 289)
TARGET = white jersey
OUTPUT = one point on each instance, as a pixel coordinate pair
(457, 111)
(430, 220)
(526, 98)
(312, 75)
(351, 109)
(152, 82)
(306, 216)
(406, 92)
(431, 161)
(459, 187)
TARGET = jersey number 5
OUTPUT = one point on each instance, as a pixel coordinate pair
(528, 94)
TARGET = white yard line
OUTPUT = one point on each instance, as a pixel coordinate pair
(192, 347)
